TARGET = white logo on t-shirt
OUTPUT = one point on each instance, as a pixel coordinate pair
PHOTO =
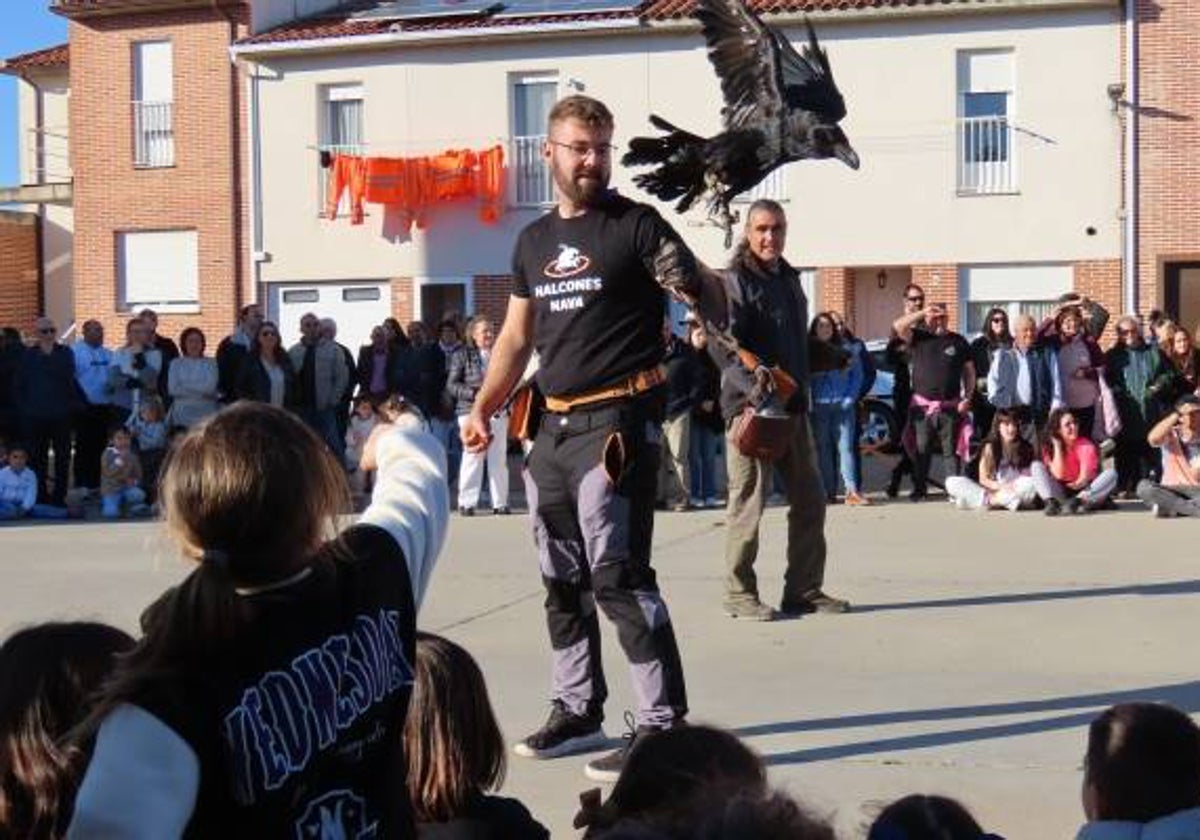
(569, 262)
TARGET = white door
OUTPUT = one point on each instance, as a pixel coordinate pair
(356, 306)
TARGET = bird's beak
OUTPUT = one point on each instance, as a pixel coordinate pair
(846, 155)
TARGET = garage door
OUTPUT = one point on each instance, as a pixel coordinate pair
(356, 306)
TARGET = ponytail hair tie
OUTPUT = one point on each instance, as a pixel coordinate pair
(215, 557)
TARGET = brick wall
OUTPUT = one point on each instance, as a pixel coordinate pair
(835, 291)
(1100, 280)
(1169, 136)
(940, 282)
(18, 271)
(403, 302)
(491, 297)
(198, 192)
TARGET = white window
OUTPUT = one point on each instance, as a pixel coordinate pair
(986, 152)
(772, 187)
(1017, 289)
(153, 104)
(159, 269)
(340, 132)
(532, 98)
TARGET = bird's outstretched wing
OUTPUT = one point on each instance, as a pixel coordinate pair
(761, 74)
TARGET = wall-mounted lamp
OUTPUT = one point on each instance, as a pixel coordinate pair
(881, 278)
(1116, 94)
(576, 85)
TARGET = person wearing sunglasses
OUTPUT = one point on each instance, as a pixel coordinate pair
(996, 336)
(1069, 478)
(1132, 367)
(1177, 437)
(47, 400)
(267, 374)
(899, 358)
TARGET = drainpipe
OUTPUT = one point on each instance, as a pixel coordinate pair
(1132, 100)
(39, 168)
(235, 149)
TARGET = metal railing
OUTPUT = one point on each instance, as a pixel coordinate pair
(153, 134)
(985, 156)
(772, 187)
(48, 153)
(532, 184)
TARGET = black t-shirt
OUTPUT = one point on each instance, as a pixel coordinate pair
(598, 308)
(937, 364)
(297, 725)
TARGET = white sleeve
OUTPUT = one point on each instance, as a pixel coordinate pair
(142, 781)
(411, 500)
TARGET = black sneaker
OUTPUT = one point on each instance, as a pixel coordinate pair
(501, 511)
(562, 734)
(1074, 506)
(466, 511)
(1053, 507)
(607, 768)
(815, 601)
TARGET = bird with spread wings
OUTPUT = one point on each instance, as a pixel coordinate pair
(780, 106)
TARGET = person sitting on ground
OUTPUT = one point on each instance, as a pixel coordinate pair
(1068, 477)
(234, 718)
(19, 490)
(1005, 459)
(921, 817)
(1131, 367)
(267, 374)
(835, 416)
(1141, 775)
(49, 674)
(1177, 437)
(148, 428)
(668, 771)
(121, 478)
(456, 753)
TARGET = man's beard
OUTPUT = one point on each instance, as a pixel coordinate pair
(580, 190)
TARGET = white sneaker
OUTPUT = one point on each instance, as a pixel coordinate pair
(962, 503)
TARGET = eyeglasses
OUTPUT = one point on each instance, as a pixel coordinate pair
(582, 150)
(915, 299)
(999, 319)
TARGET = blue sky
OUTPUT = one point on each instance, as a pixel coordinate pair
(28, 25)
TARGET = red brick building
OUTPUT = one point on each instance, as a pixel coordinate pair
(19, 275)
(157, 128)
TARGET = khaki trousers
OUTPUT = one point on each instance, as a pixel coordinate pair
(750, 482)
(674, 479)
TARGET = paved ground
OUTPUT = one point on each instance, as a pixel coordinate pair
(980, 647)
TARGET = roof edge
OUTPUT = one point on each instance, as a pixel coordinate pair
(45, 58)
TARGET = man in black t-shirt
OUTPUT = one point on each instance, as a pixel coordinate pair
(943, 380)
(588, 295)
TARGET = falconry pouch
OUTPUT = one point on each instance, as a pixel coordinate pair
(765, 435)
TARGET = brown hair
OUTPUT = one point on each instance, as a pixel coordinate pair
(48, 675)
(452, 742)
(1143, 761)
(591, 112)
(248, 493)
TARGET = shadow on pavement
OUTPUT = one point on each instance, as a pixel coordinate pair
(1082, 709)
(1178, 587)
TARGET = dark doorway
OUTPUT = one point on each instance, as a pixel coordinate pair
(1182, 298)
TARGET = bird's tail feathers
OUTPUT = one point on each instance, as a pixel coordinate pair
(680, 159)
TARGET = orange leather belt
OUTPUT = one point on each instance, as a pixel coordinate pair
(639, 383)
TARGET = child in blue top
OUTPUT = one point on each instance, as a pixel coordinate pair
(18, 490)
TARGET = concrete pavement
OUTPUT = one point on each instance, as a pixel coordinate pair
(980, 646)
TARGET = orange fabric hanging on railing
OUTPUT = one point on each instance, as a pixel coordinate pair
(349, 174)
(413, 185)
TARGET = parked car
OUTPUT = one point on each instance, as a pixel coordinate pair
(879, 420)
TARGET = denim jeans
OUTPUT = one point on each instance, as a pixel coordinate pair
(127, 498)
(702, 459)
(9, 510)
(446, 431)
(323, 421)
(833, 428)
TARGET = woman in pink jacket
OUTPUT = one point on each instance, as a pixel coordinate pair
(1069, 477)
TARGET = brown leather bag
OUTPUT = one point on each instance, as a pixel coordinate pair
(763, 436)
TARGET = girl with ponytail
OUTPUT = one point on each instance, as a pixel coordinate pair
(268, 694)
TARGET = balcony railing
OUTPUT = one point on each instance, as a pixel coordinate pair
(153, 134)
(532, 184)
(324, 174)
(985, 156)
(48, 153)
